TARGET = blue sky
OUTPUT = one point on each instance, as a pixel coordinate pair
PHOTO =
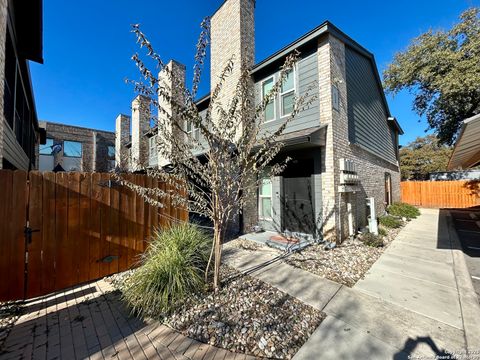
(88, 45)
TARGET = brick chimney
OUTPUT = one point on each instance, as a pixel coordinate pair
(232, 34)
(122, 137)
(140, 125)
(174, 85)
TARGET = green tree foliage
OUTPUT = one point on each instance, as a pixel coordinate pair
(423, 156)
(442, 70)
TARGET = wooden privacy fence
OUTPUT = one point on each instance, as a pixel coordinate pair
(62, 229)
(440, 194)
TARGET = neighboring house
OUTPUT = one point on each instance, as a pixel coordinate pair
(344, 146)
(74, 148)
(20, 41)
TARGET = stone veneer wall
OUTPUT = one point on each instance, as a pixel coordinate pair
(233, 37)
(62, 132)
(140, 125)
(3, 33)
(174, 83)
(371, 169)
(122, 137)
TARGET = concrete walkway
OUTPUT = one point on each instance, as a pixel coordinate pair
(415, 300)
(90, 322)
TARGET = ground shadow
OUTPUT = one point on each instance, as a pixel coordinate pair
(76, 324)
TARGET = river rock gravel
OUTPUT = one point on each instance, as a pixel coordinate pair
(246, 316)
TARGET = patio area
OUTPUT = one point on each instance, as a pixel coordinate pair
(90, 322)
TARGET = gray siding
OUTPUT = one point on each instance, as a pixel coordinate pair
(306, 74)
(12, 151)
(367, 115)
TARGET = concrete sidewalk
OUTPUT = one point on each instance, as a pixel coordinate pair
(415, 300)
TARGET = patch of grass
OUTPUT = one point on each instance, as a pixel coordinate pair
(403, 210)
(382, 232)
(172, 268)
(390, 222)
(372, 240)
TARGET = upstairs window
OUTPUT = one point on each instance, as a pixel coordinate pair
(72, 149)
(287, 95)
(47, 149)
(152, 145)
(267, 86)
(192, 131)
(111, 151)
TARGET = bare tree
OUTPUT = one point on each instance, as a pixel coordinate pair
(221, 167)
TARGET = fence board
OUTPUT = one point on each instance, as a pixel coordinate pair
(35, 211)
(7, 285)
(95, 227)
(48, 232)
(439, 194)
(83, 251)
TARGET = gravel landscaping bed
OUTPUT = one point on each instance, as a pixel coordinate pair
(245, 316)
(345, 264)
(9, 314)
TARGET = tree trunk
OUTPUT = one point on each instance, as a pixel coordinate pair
(218, 237)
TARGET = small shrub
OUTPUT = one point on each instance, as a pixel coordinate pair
(382, 232)
(403, 210)
(390, 222)
(372, 240)
(171, 269)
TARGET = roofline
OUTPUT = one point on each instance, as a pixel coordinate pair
(462, 130)
(312, 35)
(323, 28)
(75, 126)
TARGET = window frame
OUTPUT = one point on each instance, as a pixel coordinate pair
(69, 156)
(194, 132)
(110, 157)
(292, 90)
(152, 140)
(261, 197)
(45, 146)
(274, 100)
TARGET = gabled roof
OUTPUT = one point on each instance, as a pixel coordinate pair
(306, 41)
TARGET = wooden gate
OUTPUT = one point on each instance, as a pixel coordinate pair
(62, 229)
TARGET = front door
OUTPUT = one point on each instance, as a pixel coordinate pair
(298, 213)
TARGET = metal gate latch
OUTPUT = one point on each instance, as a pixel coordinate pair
(28, 233)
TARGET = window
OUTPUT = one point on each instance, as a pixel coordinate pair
(267, 86)
(335, 98)
(192, 131)
(152, 145)
(265, 199)
(72, 149)
(47, 149)
(111, 151)
(287, 95)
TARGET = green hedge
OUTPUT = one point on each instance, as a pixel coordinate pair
(389, 222)
(403, 210)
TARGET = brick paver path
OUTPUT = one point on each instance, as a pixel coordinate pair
(90, 322)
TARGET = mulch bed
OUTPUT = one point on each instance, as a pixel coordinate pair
(247, 316)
